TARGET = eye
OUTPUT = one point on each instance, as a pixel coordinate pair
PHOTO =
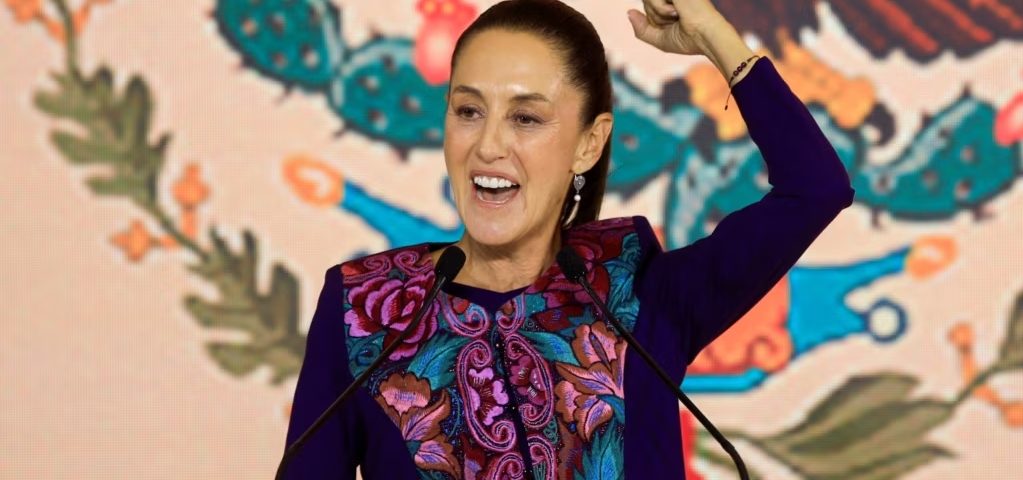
(463, 111)
(527, 120)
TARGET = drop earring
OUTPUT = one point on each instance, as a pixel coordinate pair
(578, 183)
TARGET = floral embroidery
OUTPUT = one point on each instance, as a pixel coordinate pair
(486, 395)
(526, 378)
(450, 387)
(405, 399)
(388, 304)
(588, 391)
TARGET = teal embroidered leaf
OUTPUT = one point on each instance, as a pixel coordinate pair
(363, 350)
(435, 361)
(604, 459)
(621, 271)
(552, 346)
(617, 406)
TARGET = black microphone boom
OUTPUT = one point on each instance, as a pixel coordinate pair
(575, 270)
(448, 265)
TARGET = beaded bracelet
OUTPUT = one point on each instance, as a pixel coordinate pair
(736, 72)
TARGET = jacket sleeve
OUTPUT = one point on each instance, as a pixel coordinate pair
(333, 452)
(711, 283)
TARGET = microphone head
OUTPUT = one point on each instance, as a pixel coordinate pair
(450, 263)
(571, 264)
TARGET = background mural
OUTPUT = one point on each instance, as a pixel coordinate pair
(178, 176)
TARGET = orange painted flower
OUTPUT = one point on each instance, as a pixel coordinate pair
(313, 180)
(25, 10)
(135, 242)
(190, 190)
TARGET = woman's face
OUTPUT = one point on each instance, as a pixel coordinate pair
(513, 137)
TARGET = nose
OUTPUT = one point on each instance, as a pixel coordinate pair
(492, 144)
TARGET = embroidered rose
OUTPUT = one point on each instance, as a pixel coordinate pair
(389, 304)
(563, 297)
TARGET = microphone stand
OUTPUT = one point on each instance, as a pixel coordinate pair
(576, 271)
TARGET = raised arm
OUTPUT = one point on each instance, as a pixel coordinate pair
(711, 283)
(715, 280)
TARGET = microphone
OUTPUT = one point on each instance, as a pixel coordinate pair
(575, 270)
(448, 265)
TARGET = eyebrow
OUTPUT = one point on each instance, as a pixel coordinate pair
(522, 97)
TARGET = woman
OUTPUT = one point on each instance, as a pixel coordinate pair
(512, 374)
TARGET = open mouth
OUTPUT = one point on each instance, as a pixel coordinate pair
(495, 190)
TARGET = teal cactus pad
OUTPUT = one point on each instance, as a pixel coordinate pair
(297, 43)
(385, 98)
(953, 164)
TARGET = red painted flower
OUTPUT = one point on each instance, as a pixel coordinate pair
(443, 22)
(389, 304)
(1009, 123)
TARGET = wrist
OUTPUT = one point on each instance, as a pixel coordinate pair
(723, 46)
(711, 33)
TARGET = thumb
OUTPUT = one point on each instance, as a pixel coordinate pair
(640, 27)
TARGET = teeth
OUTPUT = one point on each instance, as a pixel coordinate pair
(492, 182)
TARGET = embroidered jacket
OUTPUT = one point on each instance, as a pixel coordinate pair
(538, 385)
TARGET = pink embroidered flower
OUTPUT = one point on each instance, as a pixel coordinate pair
(527, 380)
(486, 395)
(389, 304)
(563, 297)
(602, 359)
(406, 400)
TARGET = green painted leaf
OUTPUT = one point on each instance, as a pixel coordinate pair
(285, 358)
(895, 466)
(237, 359)
(113, 187)
(860, 394)
(136, 110)
(214, 315)
(1011, 353)
(864, 443)
(82, 151)
(879, 429)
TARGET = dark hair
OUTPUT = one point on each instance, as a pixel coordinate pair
(570, 34)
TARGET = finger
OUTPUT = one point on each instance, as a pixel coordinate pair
(656, 19)
(664, 8)
(642, 28)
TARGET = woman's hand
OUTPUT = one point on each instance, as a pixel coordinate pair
(677, 26)
(692, 27)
